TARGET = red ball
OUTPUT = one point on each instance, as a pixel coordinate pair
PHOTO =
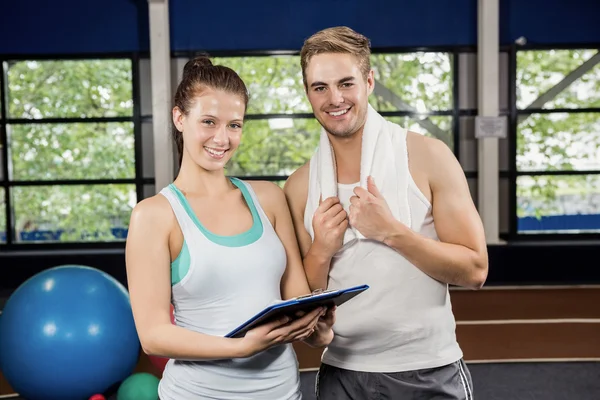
(97, 397)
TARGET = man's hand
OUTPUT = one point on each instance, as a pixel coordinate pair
(323, 334)
(329, 223)
(370, 213)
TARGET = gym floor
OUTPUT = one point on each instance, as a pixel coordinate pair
(512, 381)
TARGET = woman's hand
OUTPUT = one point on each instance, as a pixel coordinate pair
(280, 331)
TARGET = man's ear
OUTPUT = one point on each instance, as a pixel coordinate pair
(370, 82)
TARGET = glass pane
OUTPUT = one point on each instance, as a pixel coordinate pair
(418, 82)
(558, 204)
(540, 70)
(436, 126)
(78, 213)
(2, 217)
(559, 141)
(72, 88)
(275, 146)
(72, 151)
(275, 83)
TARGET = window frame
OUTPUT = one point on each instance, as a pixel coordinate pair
(514, 235)
(7, 183)
(138, 119)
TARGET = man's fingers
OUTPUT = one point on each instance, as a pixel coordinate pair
(333, 211)
(362, 193)
(339, 218)
(327, 204)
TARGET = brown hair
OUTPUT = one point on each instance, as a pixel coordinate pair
(339, 39)
(200, 74)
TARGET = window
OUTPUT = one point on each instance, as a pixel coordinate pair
(69, 170)
(280, 133)
(558, 141)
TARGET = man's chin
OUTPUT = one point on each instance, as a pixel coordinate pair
(345, 134)
(340, 133)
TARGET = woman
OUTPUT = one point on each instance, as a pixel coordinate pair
(219, 249)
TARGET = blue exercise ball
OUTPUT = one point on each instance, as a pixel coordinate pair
(68, 333)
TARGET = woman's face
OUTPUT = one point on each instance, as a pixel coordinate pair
(212, 129)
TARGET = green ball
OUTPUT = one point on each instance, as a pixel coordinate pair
(139, 386)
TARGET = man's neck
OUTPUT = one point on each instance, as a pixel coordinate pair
(347, 157)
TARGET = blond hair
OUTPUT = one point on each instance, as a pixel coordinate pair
(341, 40)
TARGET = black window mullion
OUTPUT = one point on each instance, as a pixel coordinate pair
(513, 223)
(67, 120)
(456, 105)
(137, 127)
(5, 153)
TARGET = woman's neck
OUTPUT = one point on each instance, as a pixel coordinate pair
(193, 180)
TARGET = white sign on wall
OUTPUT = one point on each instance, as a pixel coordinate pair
(490, 127)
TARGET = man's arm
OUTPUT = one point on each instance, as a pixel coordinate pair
(316, 257)
(460, 256)
(293, 281)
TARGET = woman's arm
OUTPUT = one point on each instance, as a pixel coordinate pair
(149, 281)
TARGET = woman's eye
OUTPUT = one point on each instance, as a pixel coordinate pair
(208, 122)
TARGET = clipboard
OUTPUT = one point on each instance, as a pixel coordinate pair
(303, 303)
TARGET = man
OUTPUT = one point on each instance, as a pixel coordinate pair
(398, 217)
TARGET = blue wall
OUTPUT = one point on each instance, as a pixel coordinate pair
(582, 222)
(74, 27)
(285, 24)
(550, 21)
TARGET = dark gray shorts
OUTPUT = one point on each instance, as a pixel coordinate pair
(450, 382)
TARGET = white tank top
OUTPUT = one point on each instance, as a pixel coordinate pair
(226, 280)
(404, 321)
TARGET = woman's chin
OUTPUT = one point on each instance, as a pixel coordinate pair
(212, 165)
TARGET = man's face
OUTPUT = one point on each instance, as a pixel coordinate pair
(338, 92)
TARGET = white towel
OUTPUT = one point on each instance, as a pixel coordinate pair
(384, 156)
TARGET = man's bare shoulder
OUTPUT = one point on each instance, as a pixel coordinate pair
(437, 161)
(428, 150)
(296, 186)
(269, 194)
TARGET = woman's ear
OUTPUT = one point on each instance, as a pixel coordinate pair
(178, 117)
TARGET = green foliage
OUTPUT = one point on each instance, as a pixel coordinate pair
(423, 80)
(557, 141)
(73, 151)
(545, 195)
(71, 88)
(83, 212)
(275, 83)
(540, 70)
(78, 89)
(275, 147)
